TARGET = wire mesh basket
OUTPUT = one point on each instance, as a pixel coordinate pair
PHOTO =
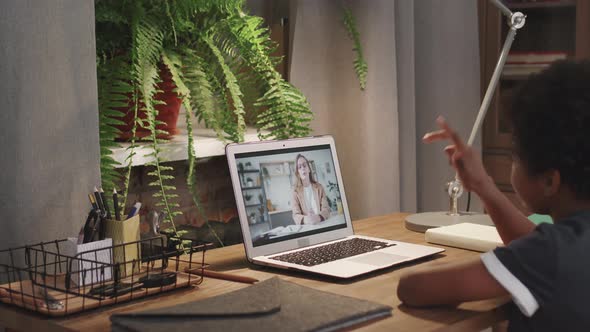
(60, 277)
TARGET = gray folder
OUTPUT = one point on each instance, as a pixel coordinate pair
(271, 305)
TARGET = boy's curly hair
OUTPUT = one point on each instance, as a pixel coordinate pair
(550, 115)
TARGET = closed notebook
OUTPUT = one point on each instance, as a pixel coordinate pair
(270, 305)
(466, 236)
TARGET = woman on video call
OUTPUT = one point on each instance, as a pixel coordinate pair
(310, 205)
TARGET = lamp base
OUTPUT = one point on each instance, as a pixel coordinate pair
(420, 222)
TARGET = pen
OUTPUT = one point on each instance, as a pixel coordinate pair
(116, 204)
(92, 201)
(97, 228)
(134, 210)
(102, 228)
(89, 229)
(221, 275)
(105, 203)
(98, 200)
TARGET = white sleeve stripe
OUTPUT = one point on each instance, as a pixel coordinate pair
(521, 295)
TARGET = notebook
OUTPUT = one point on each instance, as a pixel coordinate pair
(466, 236)
(294, 213)
(270, 305)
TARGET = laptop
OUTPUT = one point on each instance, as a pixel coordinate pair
(294, 213)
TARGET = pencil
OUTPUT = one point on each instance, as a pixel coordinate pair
(221, 275)
(116, 205)
(105, 203)
(99, 202)
(92, 201)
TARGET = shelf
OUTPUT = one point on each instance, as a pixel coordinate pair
(253, 205)
(205, 145)
(246, 188)
(542, 4)
(250, 171)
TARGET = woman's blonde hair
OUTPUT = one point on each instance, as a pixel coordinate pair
(298, 182)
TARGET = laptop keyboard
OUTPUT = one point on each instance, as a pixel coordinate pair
(331, 252)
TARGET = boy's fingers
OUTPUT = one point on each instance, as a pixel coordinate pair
(449, 150)
(459, 145)
(435, 136)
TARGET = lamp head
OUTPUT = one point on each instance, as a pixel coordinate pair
(517, 20)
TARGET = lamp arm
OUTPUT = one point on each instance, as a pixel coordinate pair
(483, 109)
(502, 7)
(515, 21)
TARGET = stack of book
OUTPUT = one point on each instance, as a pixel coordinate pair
(526, 63)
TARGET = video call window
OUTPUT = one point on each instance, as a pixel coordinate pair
(290, 193)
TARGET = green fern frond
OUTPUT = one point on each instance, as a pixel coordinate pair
(234, 91)
(287, 114)
(196, 75)
(112, 91)
(148, 45)
(191, 8)
(284, 110)
(359, 63)
(202, 100)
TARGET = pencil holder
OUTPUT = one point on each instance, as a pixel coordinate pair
(123, 232)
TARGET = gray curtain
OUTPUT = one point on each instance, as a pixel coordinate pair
(364, 124)
(423, 62)
(447, 82)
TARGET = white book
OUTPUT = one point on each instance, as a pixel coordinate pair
(466, 236)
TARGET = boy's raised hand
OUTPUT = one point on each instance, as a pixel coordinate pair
(462, 157)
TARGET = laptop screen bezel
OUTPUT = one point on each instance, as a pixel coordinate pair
(234, 149)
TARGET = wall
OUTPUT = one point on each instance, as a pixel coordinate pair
(49, 119)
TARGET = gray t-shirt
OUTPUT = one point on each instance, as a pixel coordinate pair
(547, 272)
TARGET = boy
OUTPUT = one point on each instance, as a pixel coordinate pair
(546, 269)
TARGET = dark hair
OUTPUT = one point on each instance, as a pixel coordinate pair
(550, 116)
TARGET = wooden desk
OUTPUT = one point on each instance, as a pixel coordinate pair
(379, 287)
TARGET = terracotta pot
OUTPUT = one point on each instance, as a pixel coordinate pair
(167, 112)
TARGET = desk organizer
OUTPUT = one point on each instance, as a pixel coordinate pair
(125, 232)
(44, 278)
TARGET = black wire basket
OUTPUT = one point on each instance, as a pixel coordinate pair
(47, 278)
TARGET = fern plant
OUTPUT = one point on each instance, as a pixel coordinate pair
(220, 60)
(359, 63)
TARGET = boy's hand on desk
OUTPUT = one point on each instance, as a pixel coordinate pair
(462, 157)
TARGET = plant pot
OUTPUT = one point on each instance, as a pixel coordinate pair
(167, 111)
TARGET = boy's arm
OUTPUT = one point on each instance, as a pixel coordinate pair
(448, 284)
(510, 222)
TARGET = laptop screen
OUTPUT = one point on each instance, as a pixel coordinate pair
(290, 193)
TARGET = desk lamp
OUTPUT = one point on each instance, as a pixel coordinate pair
(420, 222)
